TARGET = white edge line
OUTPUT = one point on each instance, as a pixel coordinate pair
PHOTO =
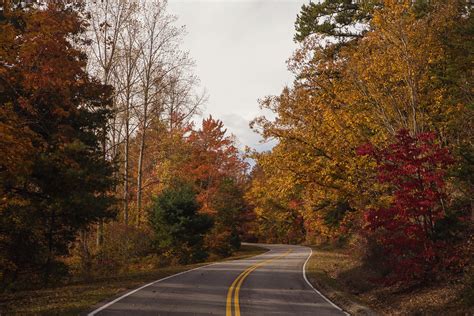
(94, 312)
(314, 289)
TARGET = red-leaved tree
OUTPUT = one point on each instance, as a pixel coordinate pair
(414, 168)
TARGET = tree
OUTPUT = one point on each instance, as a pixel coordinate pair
(164, 75)
(396, 77)
(217, 170)
(413, 168)
(136, 47)
(58, 111)
(213, 159)
(340, 19)
(127, 77)
(179, 228)
(107, 21)
(166, 154)
(224, 237)
(276, 202)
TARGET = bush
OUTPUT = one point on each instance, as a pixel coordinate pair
(413, 170)
(122, 244)
(222, 242)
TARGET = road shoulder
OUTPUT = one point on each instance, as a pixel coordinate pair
(318, 274)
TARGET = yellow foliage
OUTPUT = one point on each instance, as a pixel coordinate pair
(364, 91)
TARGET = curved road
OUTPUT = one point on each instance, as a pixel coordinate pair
(272, 283)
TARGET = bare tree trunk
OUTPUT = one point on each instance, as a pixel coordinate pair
(139, 178)
(128, 71)
(109, 20)
(140, 162)
(126, 165)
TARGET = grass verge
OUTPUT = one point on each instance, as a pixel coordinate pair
(74, 298)
(341, 277)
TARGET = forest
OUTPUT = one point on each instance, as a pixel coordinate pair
(375, 136)
(107, 166)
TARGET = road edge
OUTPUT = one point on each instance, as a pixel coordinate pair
(314, 289)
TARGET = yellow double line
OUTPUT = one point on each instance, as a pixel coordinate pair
(235, 287)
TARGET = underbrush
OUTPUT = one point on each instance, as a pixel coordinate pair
(79, 293)
(347, 279)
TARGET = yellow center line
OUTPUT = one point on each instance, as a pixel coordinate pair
(237, 291)
(235, 286)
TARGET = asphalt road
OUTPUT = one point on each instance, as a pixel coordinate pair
(269, 284)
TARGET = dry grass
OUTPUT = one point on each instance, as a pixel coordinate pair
(341, 276)
(74, 298)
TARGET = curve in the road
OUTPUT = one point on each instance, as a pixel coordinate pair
(268, 284)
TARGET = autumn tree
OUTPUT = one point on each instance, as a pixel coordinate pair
(57, 111)
(307, 159)
(167, 155)
(218, 170)
(167, 84)
(136, 48)
(391, 76)
(213, 158)
(276, 203)
(107, 19)
(409, 228)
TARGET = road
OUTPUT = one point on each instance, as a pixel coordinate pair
(272, 283)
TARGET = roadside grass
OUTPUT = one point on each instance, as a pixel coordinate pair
(78, 297)
(341, 277)
(324, 271)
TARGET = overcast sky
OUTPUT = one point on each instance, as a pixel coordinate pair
(240, 48)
